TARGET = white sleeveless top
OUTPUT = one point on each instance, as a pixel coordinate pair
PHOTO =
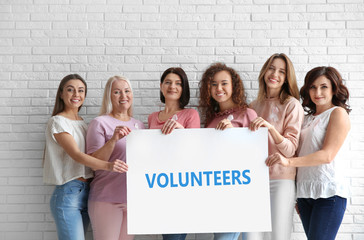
(325, 180)
(59, 168)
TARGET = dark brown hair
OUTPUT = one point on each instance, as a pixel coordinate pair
(59, 104)
(339, 90)
(289, 87)
(208, 105)
(185, 95)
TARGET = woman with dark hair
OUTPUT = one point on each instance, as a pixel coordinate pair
(321, 188)
(175, 94)
(106, 140)
(223, 103)
(280, 111)
(65, 163)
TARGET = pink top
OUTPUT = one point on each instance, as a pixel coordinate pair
(188, 118)
(108, 186)
(241, 118)
(287, 119)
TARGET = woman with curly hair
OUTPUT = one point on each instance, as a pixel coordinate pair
(321, 188)
(223, 104)
(280, 111)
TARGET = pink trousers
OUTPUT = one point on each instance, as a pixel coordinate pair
(108, 221)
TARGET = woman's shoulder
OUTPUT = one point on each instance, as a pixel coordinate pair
(59, 119)
(135, 120)
(189, 111)
(292, 100)
(293, 104)
(100, 120)
(153, 116)
(250, 112)
(339, 112)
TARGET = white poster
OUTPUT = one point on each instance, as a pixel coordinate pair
(198, 181)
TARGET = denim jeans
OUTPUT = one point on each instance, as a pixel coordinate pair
(177, 236)
(69, 210)
(226, 236)
(321, 218)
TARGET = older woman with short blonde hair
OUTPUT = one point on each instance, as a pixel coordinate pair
(106, 140)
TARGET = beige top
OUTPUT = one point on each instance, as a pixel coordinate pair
(287, 119)
(59, 168)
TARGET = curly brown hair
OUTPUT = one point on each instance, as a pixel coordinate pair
(340, 91)
(207, 104)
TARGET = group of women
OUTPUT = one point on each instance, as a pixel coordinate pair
(74, 154)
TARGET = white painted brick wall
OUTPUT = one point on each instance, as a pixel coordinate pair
(43, 40)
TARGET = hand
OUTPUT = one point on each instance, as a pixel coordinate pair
(169, 125)
(259, 122)
(277, 158)
(297, 210)
(224, 124)
(120, 132)
(118, 166)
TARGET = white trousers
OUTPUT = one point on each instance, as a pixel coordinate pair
(282, 202)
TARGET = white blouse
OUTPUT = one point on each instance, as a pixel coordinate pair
(59, 168)
(325, 180)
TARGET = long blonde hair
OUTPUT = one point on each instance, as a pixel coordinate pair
(106, 106)
(289, 87)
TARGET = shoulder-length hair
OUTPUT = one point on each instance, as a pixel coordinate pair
(289, 88)
(185, 95)
(106, 106)
(59, 104)
(207, 103)
(340, 91)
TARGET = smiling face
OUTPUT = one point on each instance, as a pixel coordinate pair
(321, 93)
(274, 77)
(171, 87)
(221, 89)
(121, 96)
(73, 94)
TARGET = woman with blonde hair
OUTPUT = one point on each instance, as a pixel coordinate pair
(106, 140)
(280, 111)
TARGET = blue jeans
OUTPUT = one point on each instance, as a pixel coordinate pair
(69, 210)
(226, 236)
(177, 236)
(321, 218)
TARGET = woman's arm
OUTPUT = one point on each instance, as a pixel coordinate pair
(260, 122)
(68, 143)
(287, 142)
(106, 150)
(337, 131)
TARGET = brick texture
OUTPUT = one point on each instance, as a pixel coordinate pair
(43, 40)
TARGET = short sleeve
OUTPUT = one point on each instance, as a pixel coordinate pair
(59, 125)
(150, 119)
(140, 124)
(251, 114)
(193, 121)
(95, 137)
